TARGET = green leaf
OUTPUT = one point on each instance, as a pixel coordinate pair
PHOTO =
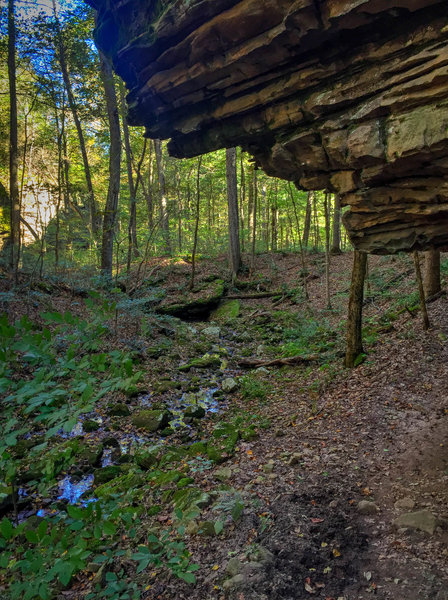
(111, 576)
(188, 577)
(237, 510)
(6, 529)
(31, 536)
(65, 572)
(109, 528)
(219, 526)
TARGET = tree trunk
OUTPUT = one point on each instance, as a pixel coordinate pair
(421, 291)
(327, 248)
(307, 224)
(94, 216)
(254, 221)
(242, 199)
(354, 319)
(233, 216)
(336, 243)
(196, 225)
(163, 204)
(432, 272)
(132, 226)
(13, 146)
(110, 210)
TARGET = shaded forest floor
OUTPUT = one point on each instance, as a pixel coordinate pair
(291, 484)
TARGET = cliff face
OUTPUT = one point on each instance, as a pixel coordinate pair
(349, 95)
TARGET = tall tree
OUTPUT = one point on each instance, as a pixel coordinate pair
(13, 145)
(432, 272)
(196, 223)
(132, 227)
(336, 242)
(354, 320)
(113, 192)
(307, 224)
(233, 215)
(163, 203)
(62, 56)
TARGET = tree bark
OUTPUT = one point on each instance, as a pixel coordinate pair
(132, 226)
(196, 225)
(327, 248)
(432, 272)
(307, 224)
(336, 243)
(94, 215)
(13, 146)
(254, 221)
(233, 216)
(113, 192)
(421, 291)
(354, 320)
(163, 204)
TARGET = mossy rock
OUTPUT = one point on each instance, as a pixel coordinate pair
(184, 482)
(226, 311)
(111, 442)
(167, 432)
(118, 410)
(197, 448)
(6, 500)
(90, 425)
(90, 454)
(146, 459)
(120, 484)
(106, 474)
(194, 412)
(204, 362)
(195, 304)
(151, 420)
(166, 386)
(22, 447)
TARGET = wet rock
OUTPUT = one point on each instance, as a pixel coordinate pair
(223, 474)
(91, 454)
(404, 504)
(226, 311)
(206, 361)
(111, 442)
(365, 507)
(90, 425)
(194, 412)
(146, 459)
(150, 420)
(229, 385)
(166, 386)
(106, 474)
(422, 520)
(212, 332)
(118, 410)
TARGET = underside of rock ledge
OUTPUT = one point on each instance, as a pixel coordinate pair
(345, 95)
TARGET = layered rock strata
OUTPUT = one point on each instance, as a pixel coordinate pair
(347, 95)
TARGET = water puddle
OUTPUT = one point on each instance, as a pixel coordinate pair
(72, 491)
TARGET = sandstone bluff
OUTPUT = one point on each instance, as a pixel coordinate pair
(348, 95)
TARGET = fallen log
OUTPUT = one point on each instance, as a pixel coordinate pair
(249, 363)
(253, 296)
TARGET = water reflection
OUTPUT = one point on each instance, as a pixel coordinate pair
(73, 490)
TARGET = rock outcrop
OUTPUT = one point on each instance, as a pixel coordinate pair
(347, 95)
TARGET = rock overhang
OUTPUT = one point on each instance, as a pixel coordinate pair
(345, 95)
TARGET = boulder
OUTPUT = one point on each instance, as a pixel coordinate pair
(422, 520)
(196, 304)
(345, 95)
(229, 385)
(226, 311)
(151, 420)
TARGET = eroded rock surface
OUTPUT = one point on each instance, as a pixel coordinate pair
(348, 95)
